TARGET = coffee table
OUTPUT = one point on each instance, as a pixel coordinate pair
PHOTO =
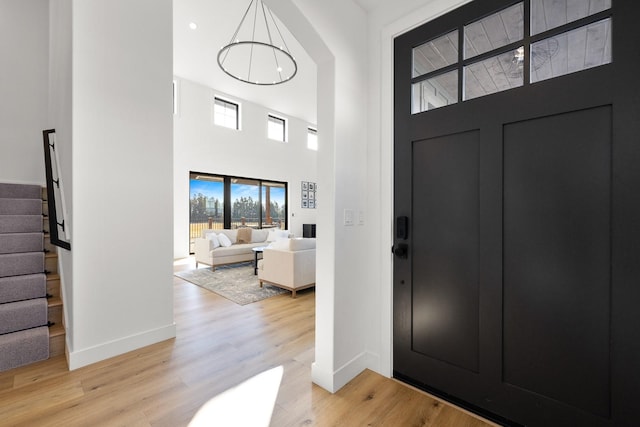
(256, 251)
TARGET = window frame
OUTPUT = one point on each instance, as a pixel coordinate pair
(314, 132)
(526, 42)
(276, 118)
(226, 103)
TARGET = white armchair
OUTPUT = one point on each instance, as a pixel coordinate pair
(289, 264)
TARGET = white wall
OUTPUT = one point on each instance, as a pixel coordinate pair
(201, 146)
(337, 42)
(60, 119)
(24, 57)
(122, 177)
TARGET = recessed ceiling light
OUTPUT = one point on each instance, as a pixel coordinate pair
(193, 25)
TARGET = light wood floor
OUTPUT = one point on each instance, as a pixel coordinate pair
(219, 345)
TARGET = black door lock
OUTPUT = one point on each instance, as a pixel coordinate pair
(401, 250)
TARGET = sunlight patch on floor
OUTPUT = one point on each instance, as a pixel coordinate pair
(250, 403)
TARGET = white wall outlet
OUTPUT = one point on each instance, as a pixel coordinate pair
(360, 218)
(348, 217)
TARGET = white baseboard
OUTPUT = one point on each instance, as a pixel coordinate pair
(333, 382)
(88, 356)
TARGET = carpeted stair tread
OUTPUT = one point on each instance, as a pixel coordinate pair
(16, 316)
(21, 242)
(24, 306)
(20, 191)
(20, 223)
(19, 288)
(20, 264)
(24, 347)
(20, 207)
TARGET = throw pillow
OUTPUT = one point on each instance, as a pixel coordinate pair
(214, 240)
(224, 240)
(244, 235)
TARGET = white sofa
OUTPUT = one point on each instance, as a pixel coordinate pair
(208, 251)
(289, 264)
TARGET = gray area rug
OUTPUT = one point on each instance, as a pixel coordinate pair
(235, 282)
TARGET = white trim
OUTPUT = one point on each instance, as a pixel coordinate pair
(347, 372)
(88, 356)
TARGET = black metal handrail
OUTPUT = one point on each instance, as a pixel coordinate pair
(51, 193)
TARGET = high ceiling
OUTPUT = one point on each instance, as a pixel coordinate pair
(195, 53)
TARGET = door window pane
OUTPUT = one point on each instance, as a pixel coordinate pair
(494, 74)
(494, 31)
(548, 14)
(435, 54)
(583, 48)
(434, 93)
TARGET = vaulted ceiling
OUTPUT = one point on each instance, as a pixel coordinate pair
(195, 52)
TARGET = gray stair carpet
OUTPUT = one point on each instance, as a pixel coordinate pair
(20, 191)
(20, 207)
(20, 315)
(24, 347)
(21, 242)
(24, 336)
(19, 264)
(20, 288)
(20, 223)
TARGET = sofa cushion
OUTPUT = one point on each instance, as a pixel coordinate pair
(244, 235)
(215, 243)
(301, 244)
(233, 250)
(258, 236)
(224, 240)
(275, 234)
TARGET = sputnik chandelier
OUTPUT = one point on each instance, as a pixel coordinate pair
(263, 57)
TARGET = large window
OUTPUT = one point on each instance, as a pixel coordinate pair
(219, 201)
(276, 128)
(226, 113)
(499, 52)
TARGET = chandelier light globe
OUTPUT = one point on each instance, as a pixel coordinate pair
(258, 60)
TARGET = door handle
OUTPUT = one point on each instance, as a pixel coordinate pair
(401, 250)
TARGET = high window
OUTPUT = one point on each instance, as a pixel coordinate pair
(499, 52)
(226, 113)
(175, 97)
(276, 128)
(312, 139)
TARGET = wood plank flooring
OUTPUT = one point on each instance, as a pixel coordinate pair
(219, 345)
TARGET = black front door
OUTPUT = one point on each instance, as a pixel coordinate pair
(517, 181)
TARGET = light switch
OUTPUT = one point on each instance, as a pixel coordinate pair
(348, 217)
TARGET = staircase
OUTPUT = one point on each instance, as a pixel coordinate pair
(31, 327)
